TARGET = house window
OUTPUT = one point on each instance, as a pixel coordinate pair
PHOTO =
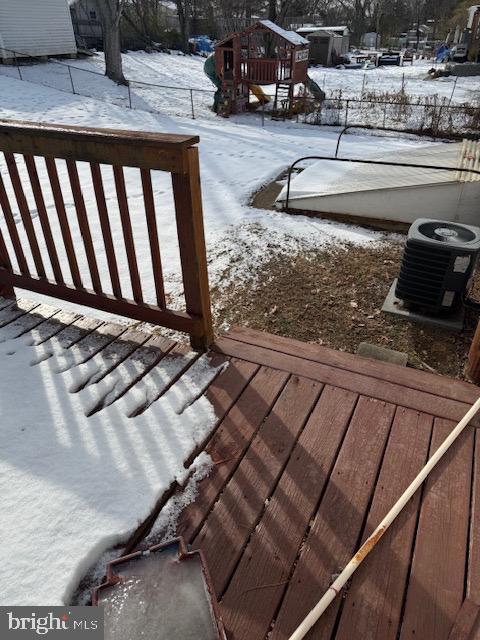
(93, 15)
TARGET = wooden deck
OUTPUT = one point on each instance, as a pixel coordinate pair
(310, 450)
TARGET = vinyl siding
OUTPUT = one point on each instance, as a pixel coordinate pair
(36, 28)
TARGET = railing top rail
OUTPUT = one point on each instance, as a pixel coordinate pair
(143, 149)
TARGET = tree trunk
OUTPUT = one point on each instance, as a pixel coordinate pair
(183, 10)
(272, 10)
(113, 55)
(110, 14)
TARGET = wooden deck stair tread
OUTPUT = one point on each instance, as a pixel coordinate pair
(376, 387)
(407, 377)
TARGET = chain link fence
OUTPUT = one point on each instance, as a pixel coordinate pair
(437, 118)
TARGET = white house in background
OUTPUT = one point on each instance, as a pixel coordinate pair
(35, 28)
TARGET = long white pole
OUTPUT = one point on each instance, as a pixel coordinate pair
(368, 545)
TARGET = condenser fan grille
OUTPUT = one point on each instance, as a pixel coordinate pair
(452, 234)
(422, 274)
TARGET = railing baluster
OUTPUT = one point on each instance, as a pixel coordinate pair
(83, 224)
(43, 216)
(12, 229)
(5, 290)
(153, 236)
(127, 232)
(191, 240)
(4, 257)
(63, 220)
(106, 228)
(25, 214)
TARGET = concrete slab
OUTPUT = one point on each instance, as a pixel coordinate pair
(376, 352)
(395, 306)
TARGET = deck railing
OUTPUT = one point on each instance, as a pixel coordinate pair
(41, 146)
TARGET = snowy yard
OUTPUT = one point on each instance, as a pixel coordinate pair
(237, 156)
(85, 483)
(177, 74)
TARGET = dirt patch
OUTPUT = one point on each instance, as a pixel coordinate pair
(333, 297)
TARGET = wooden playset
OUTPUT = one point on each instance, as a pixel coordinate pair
(262, 54)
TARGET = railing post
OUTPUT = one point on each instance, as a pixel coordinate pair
(191, 239)
(472, 370)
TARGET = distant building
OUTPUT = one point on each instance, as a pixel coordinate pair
(32, 28)
(343, 32)
(86, 23)
(325, 47)
(473, 33)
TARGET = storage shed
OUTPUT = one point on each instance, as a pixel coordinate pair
(325, 47)
(35, 28)
(341, 31)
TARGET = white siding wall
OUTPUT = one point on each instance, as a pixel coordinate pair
(36, 27)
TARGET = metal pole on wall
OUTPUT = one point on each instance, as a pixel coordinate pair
(129, 96)
(346, 112)
(384, 114)
(263, 113)
(191, 102)
(71, 79)
(18, 68)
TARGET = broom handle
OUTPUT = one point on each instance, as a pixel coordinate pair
(372, 540)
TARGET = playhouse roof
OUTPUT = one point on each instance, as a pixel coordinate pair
(289, 36)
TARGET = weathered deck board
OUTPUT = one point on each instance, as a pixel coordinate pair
(229, 443)
(260, 579)
(373, 605)
(436, 582)
(406, 377)
(427, 402)
(239, 508)
(337, 526)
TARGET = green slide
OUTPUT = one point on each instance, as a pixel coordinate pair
(315, 90)
(210, 72)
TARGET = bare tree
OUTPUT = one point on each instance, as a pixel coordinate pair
(184, 13)
(110, 14)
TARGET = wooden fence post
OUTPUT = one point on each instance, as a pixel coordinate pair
(191, 239)
(472, 369)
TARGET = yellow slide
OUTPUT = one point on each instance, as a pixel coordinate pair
(258, 93)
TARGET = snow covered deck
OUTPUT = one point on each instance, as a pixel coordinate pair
(309, 447)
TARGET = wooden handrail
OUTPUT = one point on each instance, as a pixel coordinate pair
(147, 151)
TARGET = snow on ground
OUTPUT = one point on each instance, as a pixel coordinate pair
(72, 486)
(178, 74)
(412, 77)
(237, 157)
